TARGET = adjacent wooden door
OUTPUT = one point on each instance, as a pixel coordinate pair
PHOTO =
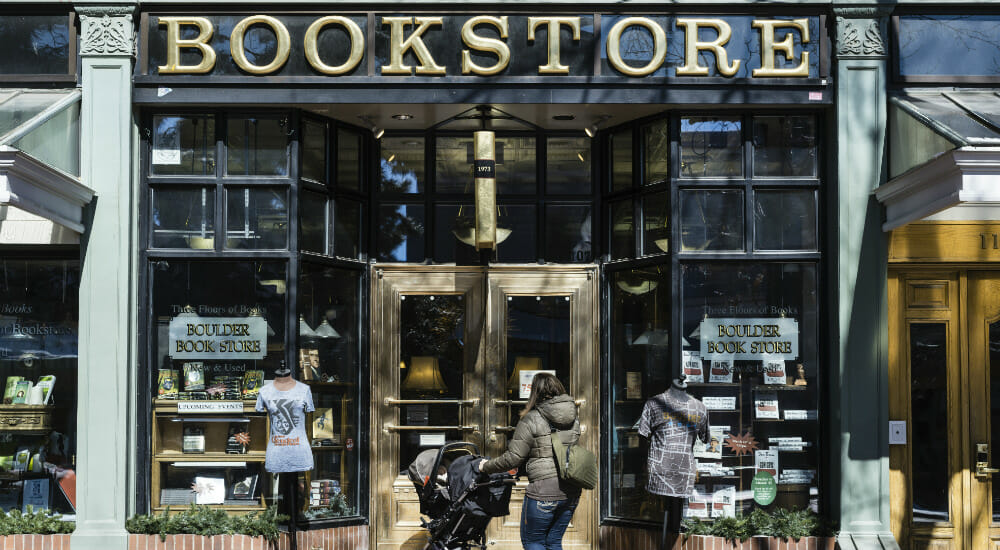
(449, 345)
(944, 328)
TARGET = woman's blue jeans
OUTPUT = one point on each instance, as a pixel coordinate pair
(543, 522)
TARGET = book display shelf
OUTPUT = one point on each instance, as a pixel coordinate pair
(208, 452)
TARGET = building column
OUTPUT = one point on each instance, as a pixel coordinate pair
(107, 305)
(860, 396)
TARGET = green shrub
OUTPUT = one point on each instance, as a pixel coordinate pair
(207, 521)
(42, 522)
(785, 524)
(731, 528)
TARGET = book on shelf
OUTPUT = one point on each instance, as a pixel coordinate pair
(193, 440)
(790, 476)
(194, 376)
(322, 426)
(766, 405)
(320, 483)
(788, 443)
(8, 392)
(774, 372)
(46, 382)
(719, 402)
(22, 389)
(238, 440)
(252, 381)
(712, 449)
(766, 460)
(721, 371)
(723, 501)
(800, 414)
(242, 486)
(693, 369)
(309, 364)
(166, 385)
(209, 490)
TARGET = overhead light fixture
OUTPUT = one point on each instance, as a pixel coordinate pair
(564, 117)
(579, 155)
(324, 330)
(377, 132)
(591, 130)
(402, 116)
(391, 158)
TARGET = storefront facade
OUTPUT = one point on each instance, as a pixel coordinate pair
(416, 209)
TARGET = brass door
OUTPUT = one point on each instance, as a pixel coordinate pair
(449, 347)
(944, 359)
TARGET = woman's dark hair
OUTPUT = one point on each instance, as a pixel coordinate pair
(543, 386)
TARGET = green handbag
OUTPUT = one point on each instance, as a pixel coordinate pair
(575, 464)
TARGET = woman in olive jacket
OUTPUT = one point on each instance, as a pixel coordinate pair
(549, 502)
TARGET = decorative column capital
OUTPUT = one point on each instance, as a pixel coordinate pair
(862, 31)
(107, 30)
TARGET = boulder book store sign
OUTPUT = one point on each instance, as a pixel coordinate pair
(299, 49)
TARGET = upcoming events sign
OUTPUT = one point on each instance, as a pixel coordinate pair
(750, 339)
(194, 337)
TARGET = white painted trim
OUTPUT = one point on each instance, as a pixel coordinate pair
(965, 176)
(36, 187)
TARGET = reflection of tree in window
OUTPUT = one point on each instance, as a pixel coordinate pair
(35, 44)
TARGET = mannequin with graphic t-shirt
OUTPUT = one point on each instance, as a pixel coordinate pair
(671, 420)
(286, 402)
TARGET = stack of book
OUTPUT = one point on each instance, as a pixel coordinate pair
(323, 491)
(225, 387)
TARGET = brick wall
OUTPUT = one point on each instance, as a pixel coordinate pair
(339, 538)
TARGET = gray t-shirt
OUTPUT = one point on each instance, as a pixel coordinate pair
(288, 447)
(671, 421)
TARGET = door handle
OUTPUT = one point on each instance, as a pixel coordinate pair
(983, 468)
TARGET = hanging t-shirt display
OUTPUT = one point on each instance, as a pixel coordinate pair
(671, 420)
(288, 446)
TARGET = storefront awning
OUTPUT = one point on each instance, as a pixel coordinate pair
(944, 151)
(39, 166)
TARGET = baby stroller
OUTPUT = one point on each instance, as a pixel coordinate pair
(458, 500)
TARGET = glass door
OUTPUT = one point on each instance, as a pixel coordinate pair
(450, 349)
(984, 372)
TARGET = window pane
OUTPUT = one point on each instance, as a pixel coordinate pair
(568, 234)
(348, 160)
(402, 165)
(517, 159)
(785, 220)
(621, 160)
(35, 44)
(784, 146)
(656, 152)
(711, 220)
(711, 147)
(929, 414)
(656, 223)
(257, 146)
(184, 218)
(314, 151)
(183, 146)
(329, 303)
(537, 337)
(257, 218)
(758, 379)
(39, 300)
(432, 355)
(520, 244)
(453, 164)
(347, 233)
(400, 233)
(568, 166)
(312, 222)
(455, 234)
(948, 45)
(640, 350)
(622, 230)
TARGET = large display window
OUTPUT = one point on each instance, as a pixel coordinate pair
(239, 287)
(733, 307)
(38, 363)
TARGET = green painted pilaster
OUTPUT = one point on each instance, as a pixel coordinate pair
(107, 329)
(860, 399)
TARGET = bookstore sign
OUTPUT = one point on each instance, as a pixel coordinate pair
(774, 338)
(193, 337)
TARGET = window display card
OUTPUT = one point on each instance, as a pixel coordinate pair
(322, 425)
(766, 460)
(796, 476)
(417, 415)
(800, 414)
(698, 503)
(633, 385)
(724, 501)
(432, 440)
(167, 147)
(633, 441)
(36, 495)
(787, 443)
(766, 405)
(774, 372)
(721, 371)
(719, 402)
(712, 449)
(693, 369)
